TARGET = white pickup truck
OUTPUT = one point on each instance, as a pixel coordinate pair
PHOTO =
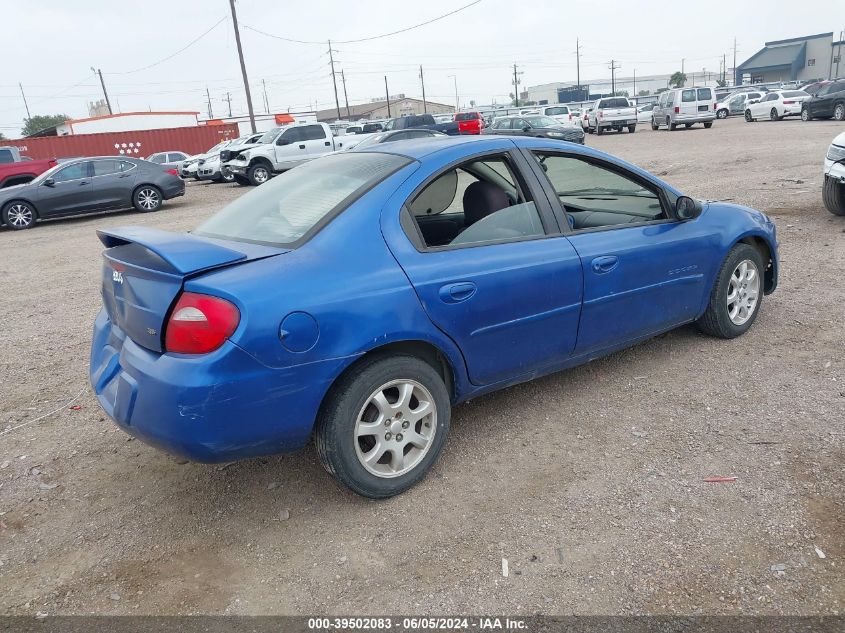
(612, 113)
(286, 147)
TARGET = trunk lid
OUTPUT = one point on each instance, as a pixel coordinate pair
(144, 270)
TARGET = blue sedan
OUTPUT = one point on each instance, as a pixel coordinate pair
(355, 299)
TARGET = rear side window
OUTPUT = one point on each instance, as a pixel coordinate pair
(704, 94)
(6, 156)
(283, 211)
(158, 158)
(687, 96)
(313, 132)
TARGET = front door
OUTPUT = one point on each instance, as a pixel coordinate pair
(505, 285)
(70, 191)
(644, 272)
(290, 148)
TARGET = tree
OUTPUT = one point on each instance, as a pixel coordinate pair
(40, 122)
(644, 93)
(678, 79)
(621, 93)
(659, 90)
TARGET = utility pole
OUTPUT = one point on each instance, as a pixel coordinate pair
(266, 101)
(229, 99)
(635, 82)
(243, 68)
(613, 68)
(682, 65)
(457, 101)
(733, 81)
(345, 98)
(208, 95)
(515, 88)
(103, 84)
(578, 65)
(25, 104)
(334, 80)
(422, 81)
(724, 69)
(387, 95)
(839, 51)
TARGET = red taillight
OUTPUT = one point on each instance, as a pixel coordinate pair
(714, 106)
(677, 110)
(570, 116)
(200, 324)
(172, 172)
(788, 102)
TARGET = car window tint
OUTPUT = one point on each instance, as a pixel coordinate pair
(557, 111)
(595, 196)
(313, 133)
(106, 167)
(125, 165)
(287, 207)
(687, 96)
(6, 156)
(473, 203)
(72, 172)
(158, 158)
(704, 94)
(292, 135)
(175, 157)
(503, 124)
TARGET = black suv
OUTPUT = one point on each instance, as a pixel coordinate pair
(828, 102)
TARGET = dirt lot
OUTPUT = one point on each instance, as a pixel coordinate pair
(589, 482)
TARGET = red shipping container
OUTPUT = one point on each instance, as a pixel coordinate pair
(139, 144)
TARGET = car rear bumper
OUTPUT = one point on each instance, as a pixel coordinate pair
(173, 189)
(698, 117)
(216, 407)
(619, 123)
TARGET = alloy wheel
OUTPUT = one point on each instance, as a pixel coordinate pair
(260, 174)
(395, 428)
(148, 199)
(743, 292)
(839, 112)
(20, 215)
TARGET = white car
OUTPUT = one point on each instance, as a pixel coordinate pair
(776, 105)
(644, 113)
(833, 189)
(560, 113)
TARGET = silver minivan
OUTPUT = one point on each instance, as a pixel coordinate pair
(684, 106)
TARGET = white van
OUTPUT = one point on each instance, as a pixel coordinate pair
(684, 106)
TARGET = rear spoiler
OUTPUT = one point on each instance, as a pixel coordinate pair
(183, 252)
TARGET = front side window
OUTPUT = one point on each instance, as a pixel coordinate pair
(6, 156)
(282, 211)
(76, 171)
(502, 124)
(291, 135)
(595, 196)
(478, 201)
(175, 157)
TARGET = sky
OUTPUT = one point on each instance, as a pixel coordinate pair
(137, 44)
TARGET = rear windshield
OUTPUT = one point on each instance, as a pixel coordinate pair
(466, 116)
(557, 111)
(619, 102)
(282, 211)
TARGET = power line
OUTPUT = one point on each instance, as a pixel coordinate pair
(371, 38)
(184, 48)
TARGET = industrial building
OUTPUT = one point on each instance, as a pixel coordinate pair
(796, 59)
(400, 105)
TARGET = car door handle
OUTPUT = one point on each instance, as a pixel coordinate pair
(83, 182)
(455, 293)
(302, 147)
(605, 264)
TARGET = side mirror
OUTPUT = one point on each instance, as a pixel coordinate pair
(49, 182)
(283, 141)
(526, 129)
(687, 209)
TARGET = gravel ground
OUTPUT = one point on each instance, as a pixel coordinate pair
(589, 482)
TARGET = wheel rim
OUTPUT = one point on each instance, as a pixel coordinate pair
(260, 174)
(805, 115)
(773, 114)
(228, 176)
(20, 215)
(839, 114)
(395, 428)
(148, 199)
(743, 292)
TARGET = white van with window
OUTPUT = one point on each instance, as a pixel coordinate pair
(560, 113)
(684, 106)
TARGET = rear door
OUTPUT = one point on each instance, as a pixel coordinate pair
(507, 288)
(113, 181)
(706, 102)
(689, 103)
(71, 191)
(317, 142)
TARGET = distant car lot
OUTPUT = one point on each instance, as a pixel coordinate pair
(589, 482)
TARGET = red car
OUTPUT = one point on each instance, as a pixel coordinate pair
(469, 122)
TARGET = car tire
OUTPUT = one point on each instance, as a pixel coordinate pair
(722, 114)
(599, 129)
(748, 116)
(833, 194)
(773, 114)
(733, 279)
(258, 174)
(352, 408)
(708, 125)
(805, 115)
(671, 126)
(19, 215)
(687, 125)
(147, 198)
(839, 112)
(654, 125)
(632, 129)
